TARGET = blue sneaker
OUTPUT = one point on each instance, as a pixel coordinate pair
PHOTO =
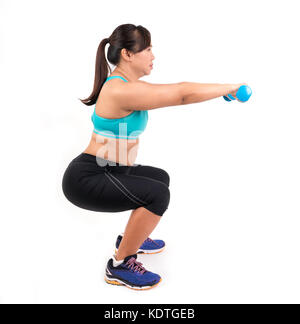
(131, 274)
(148, 247)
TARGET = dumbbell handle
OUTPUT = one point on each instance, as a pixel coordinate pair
(243, 94)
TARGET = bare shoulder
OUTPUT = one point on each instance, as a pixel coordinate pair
(108, 102)
(114, 86)
(141, 95)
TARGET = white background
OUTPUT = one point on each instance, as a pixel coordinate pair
(232, 226)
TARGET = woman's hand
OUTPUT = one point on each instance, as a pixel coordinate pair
(236, 88)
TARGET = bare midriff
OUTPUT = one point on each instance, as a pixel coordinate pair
(118, 150)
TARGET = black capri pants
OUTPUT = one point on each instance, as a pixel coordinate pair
(101, 185)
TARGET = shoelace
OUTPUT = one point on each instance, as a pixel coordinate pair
(149, 240)
(135, 266)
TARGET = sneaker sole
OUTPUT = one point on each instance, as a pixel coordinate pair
(140, 251)
(119, 282)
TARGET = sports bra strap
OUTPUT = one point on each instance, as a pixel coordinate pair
(115, 76)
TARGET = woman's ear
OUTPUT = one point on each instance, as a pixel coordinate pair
(127, 55)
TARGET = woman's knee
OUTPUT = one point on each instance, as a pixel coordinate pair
(160, 201)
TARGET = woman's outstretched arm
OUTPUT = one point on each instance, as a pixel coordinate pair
(145, 96)
(197, 92)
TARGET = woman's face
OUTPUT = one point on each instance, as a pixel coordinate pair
(144, 59)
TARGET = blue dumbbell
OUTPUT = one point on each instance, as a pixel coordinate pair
(230, 96)
(243, 94)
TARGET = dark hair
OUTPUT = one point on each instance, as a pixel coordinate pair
(133, 38)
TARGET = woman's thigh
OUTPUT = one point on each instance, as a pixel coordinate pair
(150, 172)
(111, 191)
(130, 191)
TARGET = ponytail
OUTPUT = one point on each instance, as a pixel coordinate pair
(101, 72)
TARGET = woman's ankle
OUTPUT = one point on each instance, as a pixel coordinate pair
(120, 257)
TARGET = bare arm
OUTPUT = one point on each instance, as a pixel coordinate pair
(197, 92)
(142, 95)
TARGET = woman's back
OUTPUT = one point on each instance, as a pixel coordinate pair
(115, 130)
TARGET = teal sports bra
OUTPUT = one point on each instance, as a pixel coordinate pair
(129, 127)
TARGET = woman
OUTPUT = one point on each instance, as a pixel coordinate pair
(104, 177)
